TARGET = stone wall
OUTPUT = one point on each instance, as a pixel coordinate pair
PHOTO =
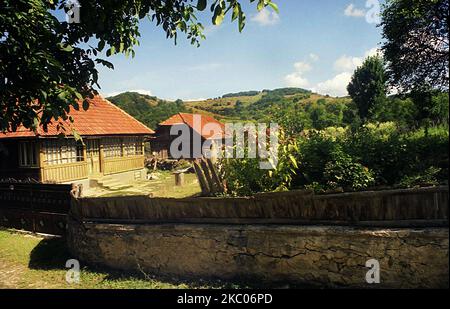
(326, 255)
(312, 255)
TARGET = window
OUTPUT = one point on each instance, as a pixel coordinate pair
(63, 151)
(132, 146)
(122, 147)
(138, 147)
(112, 147)
(27, 154)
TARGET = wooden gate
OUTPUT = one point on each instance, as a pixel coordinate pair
(39, 208)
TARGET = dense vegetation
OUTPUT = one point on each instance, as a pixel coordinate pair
(326, 144)
(241, 94)
(147, 109)
(371, 140)
(376, 155)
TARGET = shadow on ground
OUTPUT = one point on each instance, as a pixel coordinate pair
(52, 254)
(49, 254)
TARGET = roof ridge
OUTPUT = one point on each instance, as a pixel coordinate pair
(182, 118)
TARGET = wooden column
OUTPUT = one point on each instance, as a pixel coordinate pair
(102, 156)
(41, 159)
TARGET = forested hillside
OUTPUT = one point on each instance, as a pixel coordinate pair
(147, 109)
(295, 109)
(247, 105)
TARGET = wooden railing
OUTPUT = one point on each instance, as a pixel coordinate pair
(64, 172)
(35, 207)
(390, 208)
(121, 164)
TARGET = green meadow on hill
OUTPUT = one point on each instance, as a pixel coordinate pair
(246, 105)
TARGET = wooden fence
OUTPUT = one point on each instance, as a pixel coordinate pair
(395, 208)
(35, 207)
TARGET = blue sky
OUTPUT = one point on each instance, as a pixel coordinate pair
(311, 44)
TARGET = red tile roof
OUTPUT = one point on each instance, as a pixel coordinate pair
(188, 119)
(102, 118)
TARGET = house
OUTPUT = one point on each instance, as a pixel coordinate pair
(112, 144)
(199, 128)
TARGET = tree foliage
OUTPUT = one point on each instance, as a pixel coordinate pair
(147, 109)
(47, 65)
(367, 87)
(416, 43)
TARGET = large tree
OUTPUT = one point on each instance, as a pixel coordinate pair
(416, 43)
(46, 65)
(367, 87)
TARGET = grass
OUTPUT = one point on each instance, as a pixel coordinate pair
(31, 261)
(164, 186)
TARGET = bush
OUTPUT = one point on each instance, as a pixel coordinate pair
(345, 173)
(376, 154)
(427, 177)
(245, 177)
(381, 148)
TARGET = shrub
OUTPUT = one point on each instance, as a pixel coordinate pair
(381, 148)
(427, 177)
(375, 154)
(345, 173)
(245, 176)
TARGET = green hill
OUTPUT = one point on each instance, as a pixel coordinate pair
(311, 109)
(147, 109)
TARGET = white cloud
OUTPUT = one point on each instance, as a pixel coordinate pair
(372, 52)
(266, 18)
(345, 63)
(296, 80)
(337, 86)
(302, 67)
(314, 57)
(352, 11)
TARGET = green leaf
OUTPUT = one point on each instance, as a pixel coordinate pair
(65, 47)
(201, 5)
(85, 105)
(78, 95)
(62, 95)
(111, 51)
(236, 11)
(260, 5)
(101, 45)
(77, 136)
(241, 21)
(274, 6)
(218, 15)
(294, 162)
